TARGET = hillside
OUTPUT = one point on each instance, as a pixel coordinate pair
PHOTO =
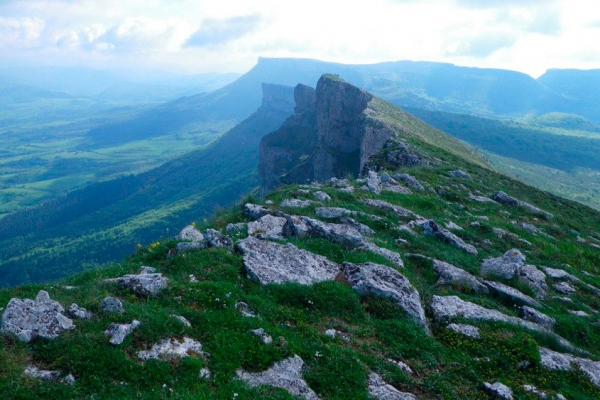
(433, 279)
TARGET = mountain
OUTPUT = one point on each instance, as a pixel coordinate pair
(580, 87)
(428, 276)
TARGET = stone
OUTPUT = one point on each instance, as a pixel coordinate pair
(182, 319)
(295, 226)
(285, 374)
(467, 330)
(373, 182)
(79, 312)
(362, 228)
(401, 365)
(382, 251)
(432, 228)
(534, 390)
(410, 181)
(236, 229)
(118, 332)
(403, 155)
(534, 278)
(380, 390)
(564, 288)
(332, 212)
(507, 200)
(204, 373)
(168, 349)
(45, 375)
(553, 360)
(260, 332)
(579, 313)
(481, 199)
(217, 239)
(339, 183)
(295, 203)
(322, 196)
(142, 284)
(452, 225)
(384, 205)
(460, 174)
(147, 270)
(556, 273)
(530, 314)
(499, 390)
(382, 281)
(190, 233)
(255, 211)
(190, 246)
(396, 188)
(28, 319)
(267, 227)
(448, 274)
(342, 234)
(513, 294)
(268, 262)
(244, 309)
(112, 305)
(505, 266)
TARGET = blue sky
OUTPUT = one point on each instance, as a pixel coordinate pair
(195, 36)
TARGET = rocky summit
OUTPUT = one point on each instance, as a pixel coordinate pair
(381, 259)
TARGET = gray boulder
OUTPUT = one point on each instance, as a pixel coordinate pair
(321, 196)
(42, 374)
(260, 332)
(564, 362)
(382, 281)
(505, 266)
(498, 390)
(142, 284)
(362, 228)
(564, 288)
(481, 199)
(112, 305)
(432, 228)
(267, 227)
(168, 349)
(118, 332)
(384, 205)
(268, 262)
(410, 181)
(295, 203)
(373, 182)
(255, 211)
(342, 234)
(182, 247)
(332, 212)
(459, 173)
(507, 200)
(534, 278)
(530, 314)
(451, 275)
(217, 239)
(382, 251)
(28, 319)
(464, 329)
(295, 226)
(285, 374)
(515, 295)
(79, 312)
(380, 390)
(190, 233)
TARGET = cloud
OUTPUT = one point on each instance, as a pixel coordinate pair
(214, 32)
(20, 33)
(484, 44)
(482, 4)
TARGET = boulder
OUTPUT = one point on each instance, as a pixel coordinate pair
(507, 200)
(342, 234)
(505, 266)
(332, 212)
(260, 332)
(255, 211)
(244, 309)
(373, 182)
(432, 228)
(454, 226)
(285, 374)
(182, 319)
(45, 375)
(321, 196)
(268, 262)
(481, 199)
(79, 312)
(142, 284)
(410, 181)
(382, 251)
(380, 390)
(295, 226)
(564, 288)
(534, 278)
(464, 329)
(381, 281)
(499, 390)
(384, 205)
(267, 227)
(118, 332)
(191, 234)
(189, 246)
(564, 362)
(28, 319)
(112, 305)
(459, 173)
(448, 274)
(362, 228)
(295, 203)
(172, 348)
(530, 314)
(217, 239)
(513, 294)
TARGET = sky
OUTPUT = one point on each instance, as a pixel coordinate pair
(198, 36)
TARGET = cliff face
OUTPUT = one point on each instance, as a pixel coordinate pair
(330, 135)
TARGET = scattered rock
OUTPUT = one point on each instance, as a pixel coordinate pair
(204, 373)
(382, 251)
(118, 332)
(183, 320)
(564, 288)
(373, 182)
(295, 227)
(182, 247)
(460, 174)
(499, 390)
(332, 333)
(142, 284)
(322, 196)
(362, 228)
(380, 390)
(534, 390)
(171, 348)
(190, 233)
(245, 309)
(501, 289)
(467, 330)
(556, 273)
(432, 228)
(534, 278)
(255, 211)
(295, 203)
(382, 281)
(401, 365)
(579, 313)
(451, 275)
(267, 339)
(507, 200)
(28, 319)
(193, 278)
(268, 262)
(452, 225)
(403, 155)
(79, 312)
(332, 212)
(45, 375)
(234, 229)
(384, 205)
(530, 314)
(285, 374)
(112, 305)
(147, 270)
(563, 362)
(410, 181)
(342, 234)
(217, 239)
(339, 183)
(481, 199)
(267, 227)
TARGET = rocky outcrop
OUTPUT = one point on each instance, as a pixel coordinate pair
(384, 205)
(507, 200)
(451, 275)
(172, 348)
(191, 234)
(118, 332)
(464, 329)
(268, 262)
(512, 264)
(111, 305)
(267, 227)
(530, 314)
(142, 284)
(511, 293)
(382, 281)
(79, 312)
(432, 228)
(565, 362)
(380, 390)
(498, 390)
(28, 319)
(410, 181)
(285, 374)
